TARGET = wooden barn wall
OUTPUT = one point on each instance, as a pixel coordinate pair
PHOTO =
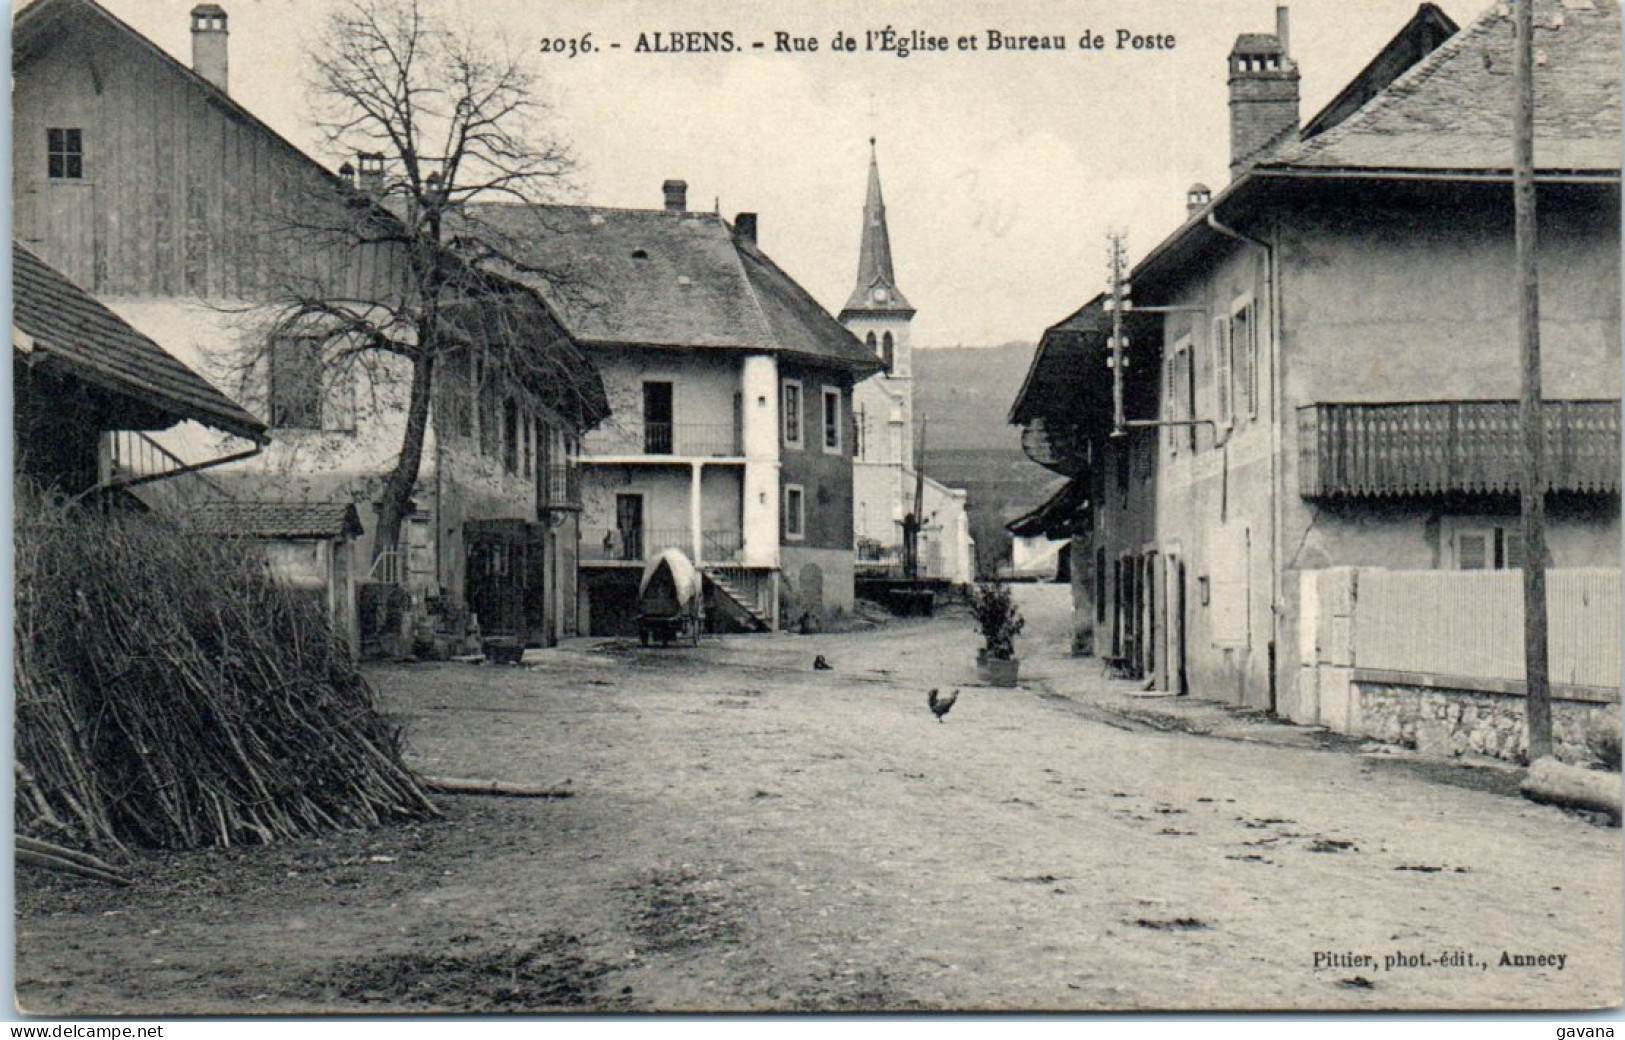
(181, 197)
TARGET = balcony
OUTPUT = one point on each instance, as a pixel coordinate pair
(1451, 447)
(681, 440)
(558, 487)
(641, 544)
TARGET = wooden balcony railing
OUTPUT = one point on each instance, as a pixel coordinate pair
(1444, 447)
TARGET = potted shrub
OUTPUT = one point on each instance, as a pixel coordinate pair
(999, 622)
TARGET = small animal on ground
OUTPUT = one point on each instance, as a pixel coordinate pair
(821, 665)
(941, 705)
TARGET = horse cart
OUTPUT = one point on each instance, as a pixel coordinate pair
(671, 604)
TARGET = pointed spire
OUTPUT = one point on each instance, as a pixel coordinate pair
(877, 282)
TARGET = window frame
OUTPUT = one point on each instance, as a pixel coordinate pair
(69, 156)
(798, 413)
(837, 426)
(1502, 541)
(1182, 393)
(1245, 304)
(799, 532)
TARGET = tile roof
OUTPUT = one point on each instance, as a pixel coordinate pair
(1452, 110)
(277, 519)
(658, 278)
(70, 326)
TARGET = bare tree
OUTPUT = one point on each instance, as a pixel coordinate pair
(436, 115)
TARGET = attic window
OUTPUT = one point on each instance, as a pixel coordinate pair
(65, 154)
(640, 254)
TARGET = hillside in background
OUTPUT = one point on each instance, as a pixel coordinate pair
(963, 395)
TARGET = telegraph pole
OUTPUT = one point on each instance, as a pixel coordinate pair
(1115, 261)
(1538, 705)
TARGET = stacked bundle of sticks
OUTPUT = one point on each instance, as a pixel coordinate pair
(171, 694)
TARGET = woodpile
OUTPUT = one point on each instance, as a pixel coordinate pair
(171, 694)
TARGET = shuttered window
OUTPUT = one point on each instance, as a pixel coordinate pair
(1223, 389)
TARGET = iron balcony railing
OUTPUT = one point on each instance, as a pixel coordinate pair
(701, 440)
(1444, 447)
(640, 544)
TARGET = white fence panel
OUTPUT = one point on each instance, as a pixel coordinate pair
(1470, 623)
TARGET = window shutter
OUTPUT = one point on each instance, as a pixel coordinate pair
(1472, 552)
(1223, 389)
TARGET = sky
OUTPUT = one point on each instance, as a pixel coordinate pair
(1003, 171)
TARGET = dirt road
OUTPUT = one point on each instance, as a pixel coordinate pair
(747, 833)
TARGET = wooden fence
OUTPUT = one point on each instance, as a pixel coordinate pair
(1470, 623)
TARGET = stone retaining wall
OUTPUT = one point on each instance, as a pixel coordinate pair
(1448, 721)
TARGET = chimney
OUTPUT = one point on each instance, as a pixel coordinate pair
(1263, 94)
(676, 196)
(209, 43)
(745, 228)
(369, 175)
(1197, 196)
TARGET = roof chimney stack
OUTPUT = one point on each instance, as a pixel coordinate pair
(209, 43)
(745, 228)
(1263, 94)
(1283, 29)
(1197, 196)
(676, 196)
(369, 175)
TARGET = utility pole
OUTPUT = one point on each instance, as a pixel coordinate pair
(1538, 704)
(1116, 260)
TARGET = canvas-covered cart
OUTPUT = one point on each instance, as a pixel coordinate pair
(670, 600)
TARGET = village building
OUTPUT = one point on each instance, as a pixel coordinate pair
(888, 487)
(143, 181)
(1330, 347)
(732, 437)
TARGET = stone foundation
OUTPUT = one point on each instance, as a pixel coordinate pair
(1444, 720)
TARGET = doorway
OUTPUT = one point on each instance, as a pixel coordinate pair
(629, 526)
(657, 419)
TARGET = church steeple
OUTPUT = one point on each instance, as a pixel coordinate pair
(876, 290)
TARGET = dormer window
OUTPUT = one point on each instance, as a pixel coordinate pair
(878, 295)
(65, 154)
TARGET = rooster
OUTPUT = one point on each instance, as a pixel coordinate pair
(941, 705)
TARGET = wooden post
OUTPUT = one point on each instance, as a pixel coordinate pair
(1538, 706)
(1114, 260)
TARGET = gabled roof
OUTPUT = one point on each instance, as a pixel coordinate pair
(1062, 354)
(64, 323)
(1058, 516)
(1421, 36)
(1452, 110)
(36, 24)
(874, 256)
(277, 519)
(658, 278)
